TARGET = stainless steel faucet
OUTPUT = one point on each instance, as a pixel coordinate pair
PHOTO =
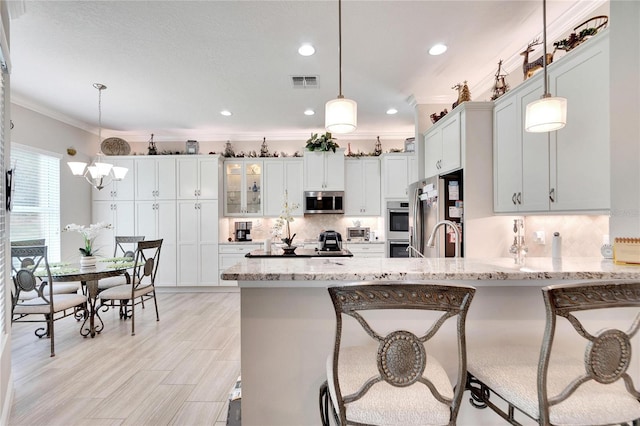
(415, 250)
(431, 241)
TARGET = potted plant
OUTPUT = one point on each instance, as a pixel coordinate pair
(89, 234)
(321, 143)
(282, 224)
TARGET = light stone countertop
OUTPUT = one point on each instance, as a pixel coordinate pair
(292, 272)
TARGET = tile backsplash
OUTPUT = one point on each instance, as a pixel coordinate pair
(581, 234)
(307, 227)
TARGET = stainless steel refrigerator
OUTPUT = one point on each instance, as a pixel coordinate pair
(430, 201)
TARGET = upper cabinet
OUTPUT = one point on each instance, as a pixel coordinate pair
(566, 170)
(324, 171)
(243, 187)
(442, 145)
(280, 176)
(399, 170)
(198, 177)
(118, 190)
(362, 192)
(155, 178)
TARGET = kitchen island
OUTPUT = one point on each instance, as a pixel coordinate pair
(288, 322)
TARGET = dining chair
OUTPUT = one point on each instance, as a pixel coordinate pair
(142, 285)
(125, 247)
(562, 381)
(396, 380)
(29, 264)
(58, 288)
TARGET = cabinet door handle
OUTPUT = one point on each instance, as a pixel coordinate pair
(519, 197)
(513, 198)
(552, 195)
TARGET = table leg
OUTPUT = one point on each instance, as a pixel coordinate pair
(92, 296)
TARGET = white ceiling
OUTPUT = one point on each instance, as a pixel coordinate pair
(172, 66)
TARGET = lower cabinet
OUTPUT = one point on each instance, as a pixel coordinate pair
(155, 220)
(197, 236)
(120, 215)
(230, 254)
(367, 250)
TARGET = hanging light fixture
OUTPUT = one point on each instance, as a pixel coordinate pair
(99, 173)
(548, 113)
(341, 114)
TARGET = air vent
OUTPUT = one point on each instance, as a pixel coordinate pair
(305, 81)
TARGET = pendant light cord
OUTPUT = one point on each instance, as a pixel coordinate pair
(544, 48)
(340, 48)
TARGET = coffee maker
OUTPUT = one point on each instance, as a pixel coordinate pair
(242, 231)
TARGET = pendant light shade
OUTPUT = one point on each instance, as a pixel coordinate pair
(548, 113)
(341, 114)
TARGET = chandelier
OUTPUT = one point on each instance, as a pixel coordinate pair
(548, 113)
(341, 114)
(99, 173)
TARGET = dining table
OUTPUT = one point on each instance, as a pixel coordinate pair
(89, 277)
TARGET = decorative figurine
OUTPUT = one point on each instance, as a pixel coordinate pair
(228, 150)
(264, 151)
(377, 150)
(500, 86)
(152, 147)
(529, 68)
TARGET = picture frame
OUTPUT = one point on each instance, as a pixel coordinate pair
(192, 147)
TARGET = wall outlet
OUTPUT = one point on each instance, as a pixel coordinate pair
(538, 237)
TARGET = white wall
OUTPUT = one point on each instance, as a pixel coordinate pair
(37, 130)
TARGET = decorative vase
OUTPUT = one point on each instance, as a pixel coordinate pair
(289, 250)
(88, 261)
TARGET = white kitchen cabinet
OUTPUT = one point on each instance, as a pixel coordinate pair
(399, 170)
(566, 170)
(243, 187)
(443, 144)
(521, 159)
(118, 189)
(157, 219)
(155, 178)
(121, 217)
(230, 254)
(197, 177)
(280, 175)
(324, 171)
(367, 250)
(197, 242)
(362, 186)
(580, 179)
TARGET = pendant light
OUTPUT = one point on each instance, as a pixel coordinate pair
(548, 113)
(341, 114)
(99, 173)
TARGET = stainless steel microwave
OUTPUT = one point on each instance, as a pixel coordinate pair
(323, 202)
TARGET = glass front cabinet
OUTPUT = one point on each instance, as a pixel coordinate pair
(243, 187)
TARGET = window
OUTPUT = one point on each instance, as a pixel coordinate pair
(3, 215)
(35, 211)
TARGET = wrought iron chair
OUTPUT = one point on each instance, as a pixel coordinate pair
(28, 264)
(574, 384)
(142, 285)
(125, 247)
(58, 288)
(395, 381)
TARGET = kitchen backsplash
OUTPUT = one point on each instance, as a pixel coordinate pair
(581, 234)
(306, 228)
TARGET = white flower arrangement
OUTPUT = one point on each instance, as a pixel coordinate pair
(282, 223)
(89, 233)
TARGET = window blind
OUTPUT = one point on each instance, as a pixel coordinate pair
(3, 215)
(35, 211)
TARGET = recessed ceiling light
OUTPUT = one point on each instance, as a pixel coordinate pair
(225, 112)
(392, 111)
(306, 50)
(309, 112)
(437, 49)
